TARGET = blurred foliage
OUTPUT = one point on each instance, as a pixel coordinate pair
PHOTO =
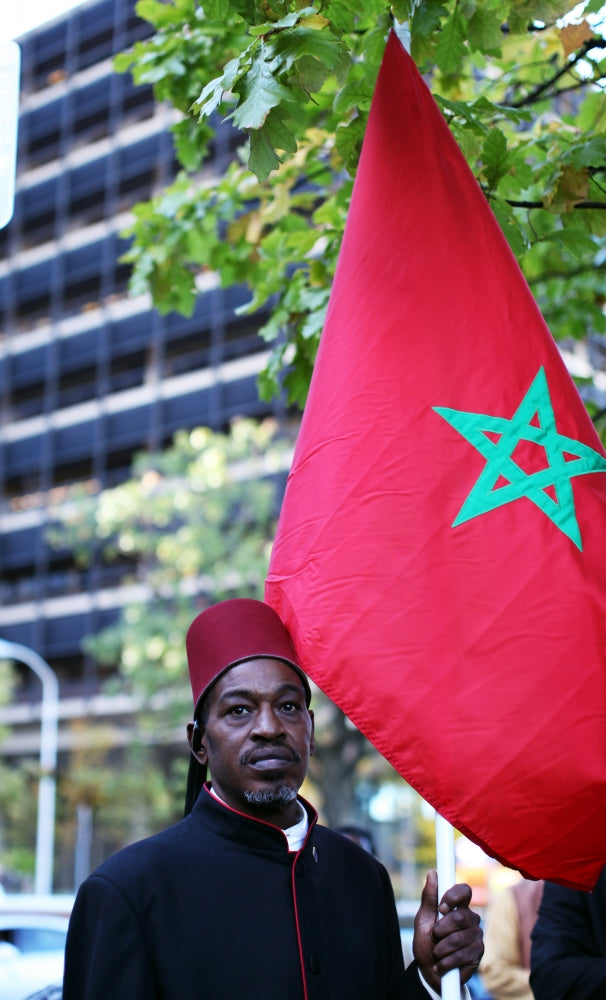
(18, 789)
(522, 91)
(18, 810)
(131, 792)
(192, 525)
(7, 684)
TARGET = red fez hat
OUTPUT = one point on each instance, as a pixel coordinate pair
(232, 632)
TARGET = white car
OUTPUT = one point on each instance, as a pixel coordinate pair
(32, 942)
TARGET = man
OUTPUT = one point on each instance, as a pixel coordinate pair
(568, 954)
(248, 898)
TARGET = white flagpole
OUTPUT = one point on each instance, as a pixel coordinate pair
(445, 849)
(445, 858)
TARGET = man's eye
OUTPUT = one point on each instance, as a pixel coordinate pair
(238, 710)
(290, 706)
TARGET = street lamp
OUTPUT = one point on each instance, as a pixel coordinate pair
(49, 724)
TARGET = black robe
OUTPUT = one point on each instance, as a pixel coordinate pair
(217, 908)
(568, 955)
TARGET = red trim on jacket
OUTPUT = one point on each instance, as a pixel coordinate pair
(312, 817)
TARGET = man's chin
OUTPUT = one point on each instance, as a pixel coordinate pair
(274, 795)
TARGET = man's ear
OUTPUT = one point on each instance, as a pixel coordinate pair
(195, 733)
(312, 739)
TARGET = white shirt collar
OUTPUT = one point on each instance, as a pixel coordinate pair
(296, 834)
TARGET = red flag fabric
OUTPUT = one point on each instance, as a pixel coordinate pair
(440, 558)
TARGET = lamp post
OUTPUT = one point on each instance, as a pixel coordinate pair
(49, 725)
(10, 65)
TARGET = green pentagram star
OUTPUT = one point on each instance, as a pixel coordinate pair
(502, 480)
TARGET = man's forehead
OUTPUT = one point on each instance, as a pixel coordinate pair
(261, 673)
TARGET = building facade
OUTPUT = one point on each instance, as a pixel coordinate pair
(88, 374)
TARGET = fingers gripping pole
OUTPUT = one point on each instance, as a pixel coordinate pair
(445, 858)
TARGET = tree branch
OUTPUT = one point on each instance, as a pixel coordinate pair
(537, 93)
(539, 204)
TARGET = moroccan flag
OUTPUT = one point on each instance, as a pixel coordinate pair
(440, 558)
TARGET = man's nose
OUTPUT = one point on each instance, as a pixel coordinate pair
(268, 725)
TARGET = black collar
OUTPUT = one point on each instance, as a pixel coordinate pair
(245, 830)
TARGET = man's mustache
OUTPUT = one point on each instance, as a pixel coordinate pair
(281, 751)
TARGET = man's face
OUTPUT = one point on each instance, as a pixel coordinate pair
(257, 739)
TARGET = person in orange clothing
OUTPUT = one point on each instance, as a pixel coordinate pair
(509, 921)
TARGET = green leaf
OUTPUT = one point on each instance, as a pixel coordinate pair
(591, 154)
(154, 71)
(374, 45)
(247, 9)
(321, 46)
(508, 223)
(267, 385)
(520, 173)
(212, 94)
(274, 134)
(161, 15)
(450, 48)
(576, 241)
(312, 327)
(349, 140)
(462, 110)
(123, 61)
(262, 93)
(216, 9)
(262, 158)
(403, 10)
(525, 12)
(357, 93)
(279, 132)
(495, 157)
(174, 291)
(592, 110)
(312, 74)
(341, 13)
(191, 140)
(198, 247)
(427, 18)
(297, 380)
(288, 21)
(485, 31)
(488, 110)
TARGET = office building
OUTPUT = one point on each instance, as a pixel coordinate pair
(88, 374)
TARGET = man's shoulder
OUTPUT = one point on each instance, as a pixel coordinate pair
(147, 854)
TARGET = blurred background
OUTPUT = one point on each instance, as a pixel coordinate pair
(141, 474)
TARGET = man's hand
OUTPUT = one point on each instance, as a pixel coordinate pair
(451, 941)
